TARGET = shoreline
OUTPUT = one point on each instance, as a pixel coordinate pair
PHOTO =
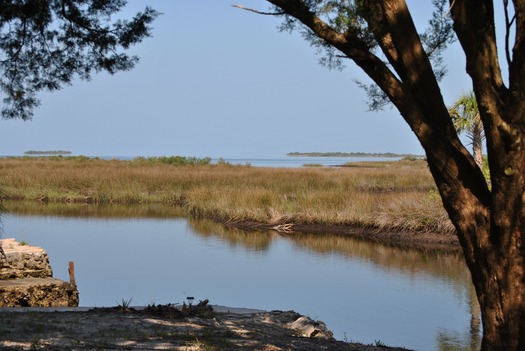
(125, 328)
(407, 239)
(392, 196)
(424, 240)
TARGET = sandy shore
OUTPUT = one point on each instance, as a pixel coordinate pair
(137, 329)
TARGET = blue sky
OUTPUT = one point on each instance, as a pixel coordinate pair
(221, 82)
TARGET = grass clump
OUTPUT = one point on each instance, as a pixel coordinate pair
(388, 195)
(174, 160)
(124, 305)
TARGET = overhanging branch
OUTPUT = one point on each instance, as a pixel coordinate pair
(259, 12)
(508, 25)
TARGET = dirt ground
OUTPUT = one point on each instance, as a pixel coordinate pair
(122, 328)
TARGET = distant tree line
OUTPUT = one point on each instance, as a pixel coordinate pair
(174, 160)
(348, 154)
(53, 152)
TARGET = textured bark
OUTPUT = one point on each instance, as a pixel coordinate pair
(490, 224)
(499, 271)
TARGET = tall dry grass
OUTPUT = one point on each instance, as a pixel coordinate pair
(393, 195)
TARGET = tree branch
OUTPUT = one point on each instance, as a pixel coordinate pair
(516, 93)
(259, 12)
(508, 25)
(473, 24)
(413, 89)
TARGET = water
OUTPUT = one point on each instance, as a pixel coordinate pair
(364, 292)
(291, 162)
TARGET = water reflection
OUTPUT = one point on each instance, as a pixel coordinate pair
(448, 266)
(364, 291)
(107, 211)
(468, 340)
(254, 241)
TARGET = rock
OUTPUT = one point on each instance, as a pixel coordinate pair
(37, 292)
(311, 329)
(26, 279)
(23, 261)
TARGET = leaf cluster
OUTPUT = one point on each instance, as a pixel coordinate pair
(465, 116)
(343, 16)
(45, 44)
(352, 19)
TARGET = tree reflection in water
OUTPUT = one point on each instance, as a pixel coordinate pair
(447, 266)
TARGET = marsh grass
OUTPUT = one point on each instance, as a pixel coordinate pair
(392, 195)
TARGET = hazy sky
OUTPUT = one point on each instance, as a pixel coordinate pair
(221, 82)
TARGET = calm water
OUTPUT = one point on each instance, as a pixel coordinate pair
(291, 162)
(364, 292)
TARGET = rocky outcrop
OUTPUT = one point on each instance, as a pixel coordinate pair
(26, 278)
(23, 261)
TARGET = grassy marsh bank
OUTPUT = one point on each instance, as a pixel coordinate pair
(394, 196)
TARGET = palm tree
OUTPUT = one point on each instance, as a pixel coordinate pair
(466, 118)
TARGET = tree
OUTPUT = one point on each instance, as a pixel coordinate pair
(380, 37)
(46, 44)
(466, 118)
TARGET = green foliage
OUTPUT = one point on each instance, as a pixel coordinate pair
(465, 114)
(124, 305)
(410, 158)
(438, 36)
(342, 16)
(46, 44)
(223, 162)
(355, 19)
(79, 158)
(175, 160)
(466, 118)
(379, 343)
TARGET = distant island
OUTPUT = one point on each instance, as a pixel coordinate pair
(349, 154)
(43, 153)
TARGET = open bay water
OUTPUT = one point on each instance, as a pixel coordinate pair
(365, 292)
(291, 162)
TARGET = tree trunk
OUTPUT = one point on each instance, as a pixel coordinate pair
(497, 258)
(490, 223)
(502, 300)
(503, 314)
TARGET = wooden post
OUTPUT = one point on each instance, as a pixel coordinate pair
(72, 273)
